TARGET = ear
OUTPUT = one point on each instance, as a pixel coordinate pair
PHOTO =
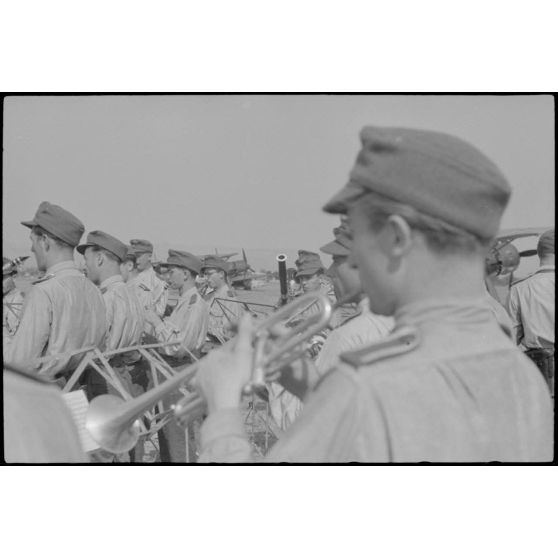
(399, 235)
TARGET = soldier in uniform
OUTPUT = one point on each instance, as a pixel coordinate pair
(12, 302)
(147, 279)
(224, 312)
(447, 384)
(104, 255)
(186, 328)
(63, 311)
(531, 307)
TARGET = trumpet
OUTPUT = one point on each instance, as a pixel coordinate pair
(114, 423)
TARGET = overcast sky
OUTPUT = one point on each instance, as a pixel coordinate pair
(241, 171)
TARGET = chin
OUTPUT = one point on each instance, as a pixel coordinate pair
(381, 307)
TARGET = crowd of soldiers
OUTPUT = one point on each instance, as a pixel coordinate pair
(416, 364)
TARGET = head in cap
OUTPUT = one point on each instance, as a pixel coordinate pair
(309, 268)
(143, 250)
(215, 270)
(103, 255)
(415, 200)
(343, 274)
(55, 232)
(545, 247)
(183, 269)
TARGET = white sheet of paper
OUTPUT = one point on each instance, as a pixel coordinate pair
(78, 405)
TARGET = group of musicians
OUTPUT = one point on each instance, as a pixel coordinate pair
(414, 366)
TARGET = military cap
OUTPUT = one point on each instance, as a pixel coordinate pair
(545, 245)
(179, 258)
(141, 246)
(437, 174)
(105, 241)
(216, 263)
(130, 254)
(341, 246)
(308, 263)
(58, 222)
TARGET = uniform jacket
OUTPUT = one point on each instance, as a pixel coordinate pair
(157, 289)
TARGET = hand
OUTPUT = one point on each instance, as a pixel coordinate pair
(224, 372)
(152, 317)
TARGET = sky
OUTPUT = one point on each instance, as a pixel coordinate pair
(248, 171)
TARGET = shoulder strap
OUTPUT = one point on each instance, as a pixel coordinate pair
(401, 341)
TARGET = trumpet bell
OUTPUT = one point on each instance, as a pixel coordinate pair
(111, 437)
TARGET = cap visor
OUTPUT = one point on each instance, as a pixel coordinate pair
(334, 249)
(29, 224)
(339, 204)
(82, 247)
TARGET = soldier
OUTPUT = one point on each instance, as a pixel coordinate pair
(63, 311)
(531, 306)
(447, 384)
(12, 302)
(224, 312)
(186, 327)
(147, 279)
(104, 255)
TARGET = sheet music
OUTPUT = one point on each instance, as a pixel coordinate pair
(78, 405)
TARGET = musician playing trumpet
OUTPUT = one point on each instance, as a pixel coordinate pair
(447, 384)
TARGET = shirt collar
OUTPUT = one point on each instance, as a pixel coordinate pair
(68, 264)
(110, 281)
(189, 292)
(543, 267)
(455, 310)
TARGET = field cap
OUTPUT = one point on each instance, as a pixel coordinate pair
(141, 246)
(58, 222)
(341, 246)
(105, 241)
(545, 245)
(308, 263)
(437, 174)
(130, 253)
(184, 259)
(213, 262)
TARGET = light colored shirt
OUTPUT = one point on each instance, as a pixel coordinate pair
(223, 312)
(358, 331)
(156, 287)
(38, 427)
(531, 307)
(500, 313)
(12, 305)
(457, 390)
(125, 316)
(62, 312)
(187, 325)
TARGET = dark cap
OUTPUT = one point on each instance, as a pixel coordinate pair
(141, 246)
(545, 245)
(308, 263)
(184, 259)
(437, 174)
(215, 263)
(105, 241)
(341, 246)
(58, 222)
(130, 254)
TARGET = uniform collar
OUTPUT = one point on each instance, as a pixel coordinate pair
(545, 267)
(189, 292)
(54, 269)
(110, 281)
(438, 311)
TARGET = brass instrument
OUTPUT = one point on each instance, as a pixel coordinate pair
(114, 423)
(13, 264)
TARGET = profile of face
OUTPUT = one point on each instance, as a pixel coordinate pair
(176, 277)
(215, 277)
(310, 283)
(143, 261)
(126, 269)
(370, 254)
(345, 277)
(40, 247)
(93, 261)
